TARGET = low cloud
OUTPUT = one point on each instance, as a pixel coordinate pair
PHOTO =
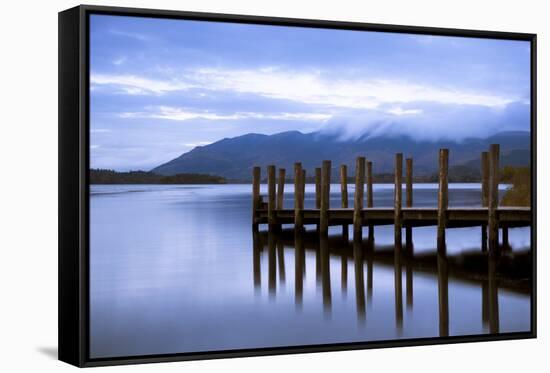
(433, 122)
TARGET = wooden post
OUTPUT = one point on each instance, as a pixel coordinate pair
(318, 187)
(442, 197)
(344, 185)
(370, 195)
(344, 194)
(281, 188)
(325, 197)
(369, 185)
(298, 198)
(485, 179)
(303, 183)
(409, 198)
(493, 196)
(256, 174)
(358, 202)
(409, 181)
(271, 195)
(484, 195)
(397, 199)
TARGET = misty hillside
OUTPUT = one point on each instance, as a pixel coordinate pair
(234, 158)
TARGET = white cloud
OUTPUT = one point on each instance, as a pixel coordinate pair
(311, 87)
(315, 87)
(132, 35)
(99, 130)
(181, 114)
(94, 146)
(119, 61)
(199, 143)
(400, 111)
(134, 85)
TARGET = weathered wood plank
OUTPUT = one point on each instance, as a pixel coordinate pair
(414, 216)
(344, 195)
(369, 185)
(344, 185)
(318, 187)
(494, 155)
(398, 224)
(271, 195)
(358, 201)
(442, 197)
(484, 194)
(281, 188)
(298, 198)
(409, 198)
(256, 175)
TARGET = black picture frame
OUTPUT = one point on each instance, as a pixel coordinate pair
(74, 182)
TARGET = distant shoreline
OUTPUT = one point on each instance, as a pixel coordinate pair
(111, 177)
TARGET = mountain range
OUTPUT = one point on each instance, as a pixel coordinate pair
(233, 158)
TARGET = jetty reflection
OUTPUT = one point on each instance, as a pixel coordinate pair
(487, 270)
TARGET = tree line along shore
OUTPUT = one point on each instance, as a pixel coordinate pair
(518, 195)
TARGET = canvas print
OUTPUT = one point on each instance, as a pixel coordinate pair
(262, 186)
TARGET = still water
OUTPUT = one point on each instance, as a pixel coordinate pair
(175, 268)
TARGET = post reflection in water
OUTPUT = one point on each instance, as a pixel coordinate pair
(438, 263)
(370, 263)
(299, 266)
(281, 262)
(398, 288)
(359, 278)
(272, 264)
(443, 291)
(409, 249)
(494, 326)
(325, 273)
(256, 265)
(344, 275)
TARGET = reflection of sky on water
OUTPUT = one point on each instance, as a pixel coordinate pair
(172, 271)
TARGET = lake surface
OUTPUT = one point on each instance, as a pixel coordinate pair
(175, 268)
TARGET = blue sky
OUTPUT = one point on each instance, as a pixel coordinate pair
(161, 87)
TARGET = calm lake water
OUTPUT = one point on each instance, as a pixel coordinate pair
(173, 269)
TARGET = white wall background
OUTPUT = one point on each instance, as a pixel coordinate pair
(28, 188)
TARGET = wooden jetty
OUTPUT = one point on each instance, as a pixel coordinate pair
(489, 215)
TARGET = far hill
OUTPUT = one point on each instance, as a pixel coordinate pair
(143, 177)
(233, 158)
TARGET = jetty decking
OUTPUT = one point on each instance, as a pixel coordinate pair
(489, 216)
